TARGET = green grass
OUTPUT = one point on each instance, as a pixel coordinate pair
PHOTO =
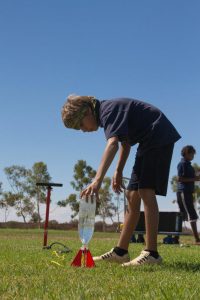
(26, 271)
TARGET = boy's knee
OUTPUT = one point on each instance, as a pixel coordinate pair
(132, 195)
(129, 194)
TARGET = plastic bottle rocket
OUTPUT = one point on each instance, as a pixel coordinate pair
(87, 209)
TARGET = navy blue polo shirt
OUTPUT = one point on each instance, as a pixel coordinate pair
(136, 122)
(186, 170)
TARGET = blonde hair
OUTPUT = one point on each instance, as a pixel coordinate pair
(75, 109)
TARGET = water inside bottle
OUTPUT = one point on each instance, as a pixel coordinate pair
(86, 219)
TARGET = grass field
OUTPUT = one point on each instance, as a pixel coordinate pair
(27, 271)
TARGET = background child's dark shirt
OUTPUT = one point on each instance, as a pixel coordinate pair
(136, 122)
(186, 170)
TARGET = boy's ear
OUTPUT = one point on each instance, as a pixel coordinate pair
(89, 111)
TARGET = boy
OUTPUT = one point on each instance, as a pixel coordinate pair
(128, 122)
(185, 189)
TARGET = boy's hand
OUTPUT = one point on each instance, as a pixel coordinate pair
(92, 189)
(117, 182)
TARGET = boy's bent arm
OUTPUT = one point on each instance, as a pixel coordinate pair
(107, 158)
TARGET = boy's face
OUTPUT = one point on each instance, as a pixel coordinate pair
(89, 123)
(189, 156)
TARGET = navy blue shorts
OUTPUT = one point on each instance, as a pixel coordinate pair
(151, 170)
(186, 205)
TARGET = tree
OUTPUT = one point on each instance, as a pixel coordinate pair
(83, 175)
(119, 201)
(174, 182)
(19, 196)
(3, 203)
(72, 201)
(6, 202)
(35, 218)
(38, 173)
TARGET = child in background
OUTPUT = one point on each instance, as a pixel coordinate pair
(185, 189)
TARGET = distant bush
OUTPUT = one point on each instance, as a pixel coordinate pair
(53, 224)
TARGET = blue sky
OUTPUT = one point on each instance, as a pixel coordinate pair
(148, 50)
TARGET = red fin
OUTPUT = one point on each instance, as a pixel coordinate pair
(77, 260)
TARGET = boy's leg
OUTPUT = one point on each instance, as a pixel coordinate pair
(152, 177)
(195, 231)
(150, 254)
(131, 219)
(188, 202)
(120, 254)
(151, 217)
(183, 210)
